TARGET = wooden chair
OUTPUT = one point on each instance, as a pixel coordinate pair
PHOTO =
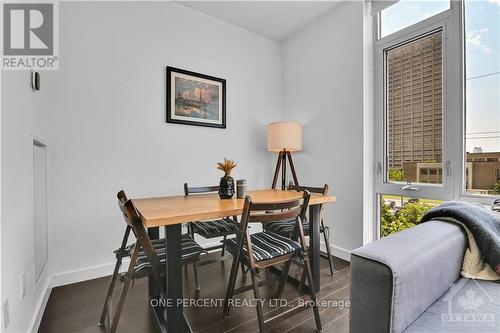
(211, 228)
(286, 228)
(147, 258)
(120, 253)
(264, 249)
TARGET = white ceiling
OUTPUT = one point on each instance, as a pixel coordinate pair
(273, 19)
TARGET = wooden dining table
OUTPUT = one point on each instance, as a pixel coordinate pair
(171, 211)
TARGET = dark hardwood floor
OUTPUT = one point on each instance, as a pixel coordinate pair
(77, 307)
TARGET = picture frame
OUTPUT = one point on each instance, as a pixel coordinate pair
(195, 99)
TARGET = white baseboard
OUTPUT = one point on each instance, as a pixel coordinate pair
(40, 308)
(337, 251)
(79, 275)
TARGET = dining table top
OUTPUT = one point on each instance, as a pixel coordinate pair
(168, 210)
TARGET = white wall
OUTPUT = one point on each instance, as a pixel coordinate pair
(323, 89)
(108, 129)
(103, 117)
(24, 116)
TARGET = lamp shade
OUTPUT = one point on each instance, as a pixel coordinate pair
(284, 135)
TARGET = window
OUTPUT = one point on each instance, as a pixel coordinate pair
(413, 73)
(414, 105)
(413, 82)
(439, 74)
(408, 12)
(482, 86)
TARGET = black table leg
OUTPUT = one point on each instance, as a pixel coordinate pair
(154, 291)
(175, 317)
(314, 242)
(155, 299)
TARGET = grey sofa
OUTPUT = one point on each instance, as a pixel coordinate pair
(410, 282)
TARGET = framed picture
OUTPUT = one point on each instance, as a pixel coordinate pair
(195, 99)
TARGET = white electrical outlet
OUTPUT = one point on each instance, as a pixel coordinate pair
(23, 285)
(5, 314)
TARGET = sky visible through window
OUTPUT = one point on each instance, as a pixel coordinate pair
(482, 34)
(482, 37)
(408, 12)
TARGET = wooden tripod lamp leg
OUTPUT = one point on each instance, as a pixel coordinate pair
(277, 171)
(292, 168)
(283, 169)
(283, 156)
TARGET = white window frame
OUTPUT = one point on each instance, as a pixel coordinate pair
(446, 22)
(453, 187)
(454, 112)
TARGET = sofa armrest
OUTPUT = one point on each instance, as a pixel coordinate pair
(395, 279)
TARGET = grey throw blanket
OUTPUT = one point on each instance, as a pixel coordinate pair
(483, 223)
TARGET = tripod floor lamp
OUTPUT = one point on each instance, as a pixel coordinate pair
(284, 138)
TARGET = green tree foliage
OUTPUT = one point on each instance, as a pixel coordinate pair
(496, 188)
(408, 216)
(396, 175)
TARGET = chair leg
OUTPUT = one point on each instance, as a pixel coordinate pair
(312, 290)
(230, 286)
(244, 269)
(303, 278)
(110, 292)
(126, 284)
(328, 251)
(121, 302)
(256, 293)
(195, 273)
(284, 278)
(223, 247)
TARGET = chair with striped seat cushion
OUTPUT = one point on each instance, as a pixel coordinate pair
(265, 246)
(222, 227)
(265, 249)
(190, 251)
(216, 228)
(147, 258)
(286, 228)
(159, 245)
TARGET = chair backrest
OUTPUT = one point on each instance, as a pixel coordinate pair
(200, 189)
(265, 212)
(122, 196)
(142, 239)
(319, 190)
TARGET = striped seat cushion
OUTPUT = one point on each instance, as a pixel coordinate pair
(216, 228)
(285, 228)
(265, 245)
(158, 245)
(190, 250)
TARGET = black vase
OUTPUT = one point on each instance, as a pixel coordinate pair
(226, 190)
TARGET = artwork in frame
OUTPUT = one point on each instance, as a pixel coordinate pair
(195, 99)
